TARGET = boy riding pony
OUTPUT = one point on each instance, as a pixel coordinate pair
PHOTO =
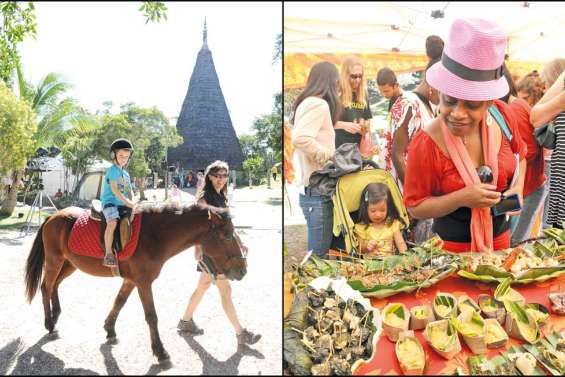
(116, 193)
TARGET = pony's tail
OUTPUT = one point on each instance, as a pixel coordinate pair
(34, 265)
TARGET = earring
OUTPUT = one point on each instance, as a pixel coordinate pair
(489, 120)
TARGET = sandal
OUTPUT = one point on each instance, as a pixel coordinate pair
(109, 261)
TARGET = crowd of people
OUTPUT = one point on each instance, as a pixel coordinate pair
(476, 152)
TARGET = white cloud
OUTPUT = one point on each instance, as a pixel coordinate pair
(108, 53)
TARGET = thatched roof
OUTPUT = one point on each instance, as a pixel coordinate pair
(204, 120)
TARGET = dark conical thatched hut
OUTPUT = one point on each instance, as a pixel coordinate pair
(204, 120)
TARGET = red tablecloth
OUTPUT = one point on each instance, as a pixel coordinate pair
(385, 363)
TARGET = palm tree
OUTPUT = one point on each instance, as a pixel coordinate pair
(57, 119)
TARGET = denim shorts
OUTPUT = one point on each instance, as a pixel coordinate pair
(111, 213)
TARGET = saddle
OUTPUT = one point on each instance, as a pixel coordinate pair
(122, 234)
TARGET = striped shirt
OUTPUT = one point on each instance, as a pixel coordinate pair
(557, 180)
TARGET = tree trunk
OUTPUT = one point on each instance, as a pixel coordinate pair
(10, 202)
(142, 189)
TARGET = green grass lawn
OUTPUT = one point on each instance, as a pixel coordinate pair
(18, 219)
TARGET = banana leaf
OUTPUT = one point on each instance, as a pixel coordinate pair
(475, 363)
(537, 371)
(541, 359)
(401, 286)
(532, 275)
(503, 292)
(294, 353)
(556, 234)
(541, 273)
(553, 338)
(503, 367)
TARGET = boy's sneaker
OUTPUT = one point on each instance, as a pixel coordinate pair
(189, 327)
(247, 337)
(109, 260)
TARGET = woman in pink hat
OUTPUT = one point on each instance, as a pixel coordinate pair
(462, 162)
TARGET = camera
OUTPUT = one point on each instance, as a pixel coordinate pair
(507, 204)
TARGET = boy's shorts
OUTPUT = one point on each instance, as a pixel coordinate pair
(111, 213)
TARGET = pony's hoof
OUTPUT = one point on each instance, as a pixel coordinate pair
(164, 358)
(111, 340)
(52, 335)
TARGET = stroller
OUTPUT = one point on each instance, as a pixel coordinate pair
(346, 205)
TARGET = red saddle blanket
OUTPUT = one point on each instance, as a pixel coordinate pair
(85, 238)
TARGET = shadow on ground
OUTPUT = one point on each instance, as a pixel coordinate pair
(211, 366)
(113, 368)
(35, 361)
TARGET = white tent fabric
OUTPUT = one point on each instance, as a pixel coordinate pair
(536, 32)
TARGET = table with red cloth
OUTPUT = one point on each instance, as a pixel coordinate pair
(385, 362)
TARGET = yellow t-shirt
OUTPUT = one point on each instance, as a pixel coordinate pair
(384, 235)
(274, 170)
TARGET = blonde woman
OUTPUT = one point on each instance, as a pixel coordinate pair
(356, 116)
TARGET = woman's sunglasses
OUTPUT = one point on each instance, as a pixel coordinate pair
(219, 175)
(485, 174)
(353, 77)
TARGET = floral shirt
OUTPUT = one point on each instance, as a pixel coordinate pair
(397, 116)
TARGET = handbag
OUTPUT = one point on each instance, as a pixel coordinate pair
(545, 136)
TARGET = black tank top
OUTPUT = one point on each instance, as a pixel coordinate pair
(214, 199)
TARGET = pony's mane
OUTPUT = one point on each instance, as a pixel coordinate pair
(171, 208)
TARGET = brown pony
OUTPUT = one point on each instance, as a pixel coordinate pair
(165, 232)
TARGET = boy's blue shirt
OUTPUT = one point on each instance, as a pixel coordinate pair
(122, 179)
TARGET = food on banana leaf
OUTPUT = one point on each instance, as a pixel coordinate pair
(557, 303)
(531, 262)
(495, 335)
(480, 366)
(524, 362)
(395, 320)
(520, 324)
(323, 334)
(551, 359)
(419, 267)
(420, 316)
(554, 357)
(539, 312)
(470, 324)
(410, 354)
(444, 305)
(294, 352)
(504, 292)
(442, 337)
(467, 303)
(492, 308)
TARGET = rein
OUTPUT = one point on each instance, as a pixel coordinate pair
(212, 270)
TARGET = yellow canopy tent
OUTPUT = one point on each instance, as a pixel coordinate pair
(393, 34)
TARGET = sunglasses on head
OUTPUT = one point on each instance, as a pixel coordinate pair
(353, 77)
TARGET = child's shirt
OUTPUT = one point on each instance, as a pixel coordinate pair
(384, 235)
(121, 177)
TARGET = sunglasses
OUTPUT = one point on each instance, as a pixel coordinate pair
(219, 175)
(485, 174)
(353, 77)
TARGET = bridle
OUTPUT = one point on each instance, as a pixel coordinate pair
(211, 269)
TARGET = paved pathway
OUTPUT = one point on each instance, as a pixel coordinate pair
(80, 348)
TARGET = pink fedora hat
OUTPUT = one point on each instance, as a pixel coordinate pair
(471, 63)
